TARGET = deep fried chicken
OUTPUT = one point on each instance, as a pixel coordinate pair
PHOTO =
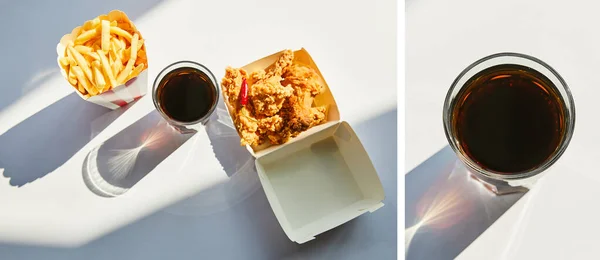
(248, 126)
(301, 115)
(302, 78)
(285, 60)
(267, 95)
(280, 101)
(231, 84)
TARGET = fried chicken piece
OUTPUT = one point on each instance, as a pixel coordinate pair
(270, 128)
(266, 93)
(243, 119)
(232, 83)
(247, 126)
(299, 116)
(280, 137)
(270, 124)
(284, 61)
(267, 96)
(302, 78)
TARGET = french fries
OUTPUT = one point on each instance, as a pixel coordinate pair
(72, 78)
(133, 56)
(121, 32)
(83, 80)
(98, 76)
(103, 53)
(64, 62)
(81, 62)
(105, 35)
(86, 36)
(108, 71)
(137, 70)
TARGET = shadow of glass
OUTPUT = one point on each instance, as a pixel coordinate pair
(45, 141)
(446, 208)
(112, 168)
(237, 163)
(116, 165)
(36, 50)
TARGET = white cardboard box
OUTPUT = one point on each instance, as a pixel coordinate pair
(321, 178)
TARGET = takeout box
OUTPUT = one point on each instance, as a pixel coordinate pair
(118, 96)
(321, 178)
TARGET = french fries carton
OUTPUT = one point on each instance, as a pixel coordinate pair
(105, 60)
(321, 178)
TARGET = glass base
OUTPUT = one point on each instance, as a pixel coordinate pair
(497, 187)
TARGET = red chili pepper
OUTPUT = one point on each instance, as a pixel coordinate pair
(244, 93)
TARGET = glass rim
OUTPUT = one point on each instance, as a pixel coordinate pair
(569, 103)
(185, 64)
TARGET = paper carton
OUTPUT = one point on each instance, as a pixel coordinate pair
(321, 178)
(118, 96)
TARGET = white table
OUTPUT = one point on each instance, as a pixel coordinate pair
(188, 201)
(558, 218)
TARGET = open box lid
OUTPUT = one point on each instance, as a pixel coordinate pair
(320, 182)
(325, 98)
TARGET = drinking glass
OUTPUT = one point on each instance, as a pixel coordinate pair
(562, 90)
(185, 127)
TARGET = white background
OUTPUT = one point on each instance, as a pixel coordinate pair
(558, 219)
(46, 132)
